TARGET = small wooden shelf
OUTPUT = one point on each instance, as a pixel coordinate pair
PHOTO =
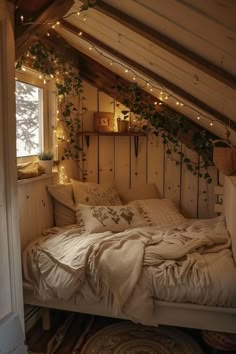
(136, 136)
(93, 133)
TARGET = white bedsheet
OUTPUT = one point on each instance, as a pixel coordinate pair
(189, 263)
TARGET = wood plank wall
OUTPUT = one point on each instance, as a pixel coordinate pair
(112, 160)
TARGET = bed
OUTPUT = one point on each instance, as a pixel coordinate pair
(141, 260)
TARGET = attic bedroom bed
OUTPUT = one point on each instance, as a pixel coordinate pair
(135, 257)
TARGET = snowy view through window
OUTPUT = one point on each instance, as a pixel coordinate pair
(28, 119)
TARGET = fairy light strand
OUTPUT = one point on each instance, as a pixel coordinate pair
(149, 84)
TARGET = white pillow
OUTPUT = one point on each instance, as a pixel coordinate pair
(139, 192)
(95, 194)
(108, 218)
(159, 212)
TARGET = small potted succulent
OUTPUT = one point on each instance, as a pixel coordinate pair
(123, 123)
(46, 161)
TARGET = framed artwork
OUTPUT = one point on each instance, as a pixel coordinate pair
(103, 121)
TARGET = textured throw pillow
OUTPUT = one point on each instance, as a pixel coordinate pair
(64, 206)
(159, 212)
(108, 218)
(139, 192)
(94, 194)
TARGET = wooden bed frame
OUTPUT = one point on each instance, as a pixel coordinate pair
(167, 313)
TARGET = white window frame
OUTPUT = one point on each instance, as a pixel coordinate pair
(32, 77)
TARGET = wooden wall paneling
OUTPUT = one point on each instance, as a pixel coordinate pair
(106, 144)
(172, 175)
(90, 93)
(189, 186)
(155, 155)
(106, 159)
(122, 161)
(207, 197)
(139, 162)
(23, 214)
(44, 214)
(91, 152)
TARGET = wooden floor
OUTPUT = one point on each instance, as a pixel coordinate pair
(70, 331)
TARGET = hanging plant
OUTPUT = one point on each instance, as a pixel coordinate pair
(69, 91)
(171, 127)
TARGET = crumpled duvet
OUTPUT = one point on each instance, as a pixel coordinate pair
(121, 267)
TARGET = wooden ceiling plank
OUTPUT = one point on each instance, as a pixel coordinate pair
(168, 44)
(169, 85)
(25, 35)
(103, 79)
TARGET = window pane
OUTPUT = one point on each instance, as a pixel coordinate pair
(28, 119)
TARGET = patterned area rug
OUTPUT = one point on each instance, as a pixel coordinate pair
(127, 337)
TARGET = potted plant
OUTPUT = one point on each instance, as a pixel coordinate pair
(123, 123)
(46, 161)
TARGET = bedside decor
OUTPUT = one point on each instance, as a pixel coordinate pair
(103, 121)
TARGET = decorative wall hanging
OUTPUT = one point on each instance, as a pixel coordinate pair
(103, 121)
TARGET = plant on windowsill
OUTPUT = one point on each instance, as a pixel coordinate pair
(46, 161)
(51, 65)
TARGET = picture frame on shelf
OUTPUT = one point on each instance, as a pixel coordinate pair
(103, 121)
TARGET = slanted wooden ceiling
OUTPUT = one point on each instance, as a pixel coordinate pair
(183, 48)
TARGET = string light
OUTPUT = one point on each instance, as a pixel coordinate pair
(133, 72)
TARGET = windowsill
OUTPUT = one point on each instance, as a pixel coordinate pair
(38, 178)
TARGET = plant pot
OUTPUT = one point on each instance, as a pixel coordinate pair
(224, 159)
(122, 125)
(46, 165)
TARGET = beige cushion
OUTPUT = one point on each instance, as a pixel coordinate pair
(142, 191)
(94, 194)
(159, 212)
(64, 206)
(115, 218)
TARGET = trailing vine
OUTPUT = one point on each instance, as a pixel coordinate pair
(51, 65)
(171, 127)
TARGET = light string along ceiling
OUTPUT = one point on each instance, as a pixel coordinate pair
(149, 84)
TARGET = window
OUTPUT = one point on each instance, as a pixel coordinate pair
(29, 119)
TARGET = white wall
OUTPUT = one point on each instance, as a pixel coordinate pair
(11, 298)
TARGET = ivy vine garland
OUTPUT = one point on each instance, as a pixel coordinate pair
(69, 89)
(170, 126)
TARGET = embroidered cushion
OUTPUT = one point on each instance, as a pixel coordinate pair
(95, 194)
(108, 218)
(159, 212)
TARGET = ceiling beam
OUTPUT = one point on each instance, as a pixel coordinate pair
(25, 35)
(145, 71)
(168, 44)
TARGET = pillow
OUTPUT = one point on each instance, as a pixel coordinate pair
(64, 206)
(95, 194)
(159, 212)
(142, 191)
(116, 218)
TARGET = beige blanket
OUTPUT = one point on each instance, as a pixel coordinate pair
(115, 265)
